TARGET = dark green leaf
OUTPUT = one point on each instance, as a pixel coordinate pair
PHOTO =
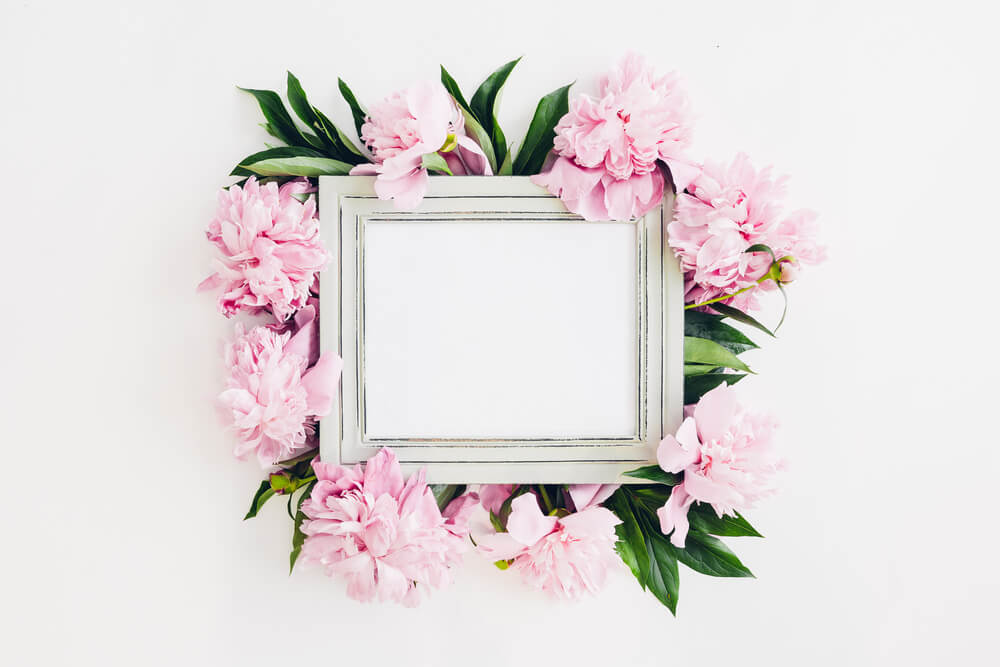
(760, 247)
(655, 474)
(541, 132)
(445, 493)
(484, 103)
(710, 326)
(708, 555)
(452, 87)
(739, 316)
(437, 163)
(703, 519)
(279, 122)
(699, 369)
(356, 110)
(698, 385)
(650, 497)
(631, 545)
(663, 580)
(704, 351)
(264, 493)
(298, 537)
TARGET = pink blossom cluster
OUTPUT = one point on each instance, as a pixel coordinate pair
(610, 146)
(406, 126)
(277, 382)
(565, 556)
(269, 246)
(726, 456)
(385, 537)
(726, 210)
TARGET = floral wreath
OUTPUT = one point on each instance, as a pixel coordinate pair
(606, 156)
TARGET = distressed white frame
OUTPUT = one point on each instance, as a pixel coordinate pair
(347, 203)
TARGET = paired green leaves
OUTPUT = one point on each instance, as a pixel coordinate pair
(324, 150)
(541, 132)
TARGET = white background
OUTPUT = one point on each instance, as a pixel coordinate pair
(122, 541)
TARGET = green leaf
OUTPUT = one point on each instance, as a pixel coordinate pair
(704, 351)
(300, 105)
(298, 537)
(473, 127)
(698, 385)
(663, 580)
(699, 369)
(356, 110)
(651, 497)
(484, 107)
(507, 168)
(710, 326)
(299, 166)
(271, 153)
(452, 87)
(264, 493)
(703, 519)
(708, 555)
(760, 247)
(739, 316)
(279, 122)
(631, 544)
(436, 162)
(655, 474)
(541, 132)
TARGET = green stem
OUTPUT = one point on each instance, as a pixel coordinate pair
(724, 297)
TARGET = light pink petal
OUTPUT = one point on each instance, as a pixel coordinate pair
(673, 515)
(458, 512)
(526, 523)
(499, 546)
(407, 192)
(383, 474)
(587, 495)
(492, 496)
(367, 169)
(715, 412)
(321, 382)
(683, 173)
(433, 108)
(677, 453)
(593, 522)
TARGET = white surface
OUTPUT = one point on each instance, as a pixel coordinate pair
(500, 330)
(122, 539)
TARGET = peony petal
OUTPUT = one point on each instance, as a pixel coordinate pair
(591, 523)
(407, 192)
(383, 474)
(321, 382)
(715, 412)
(526, 523)
(673, 515)
(587, 495)
(677, 453)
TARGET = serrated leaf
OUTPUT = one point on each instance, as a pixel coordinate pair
(299, 166)
(357, 111)
(484, 107)
(655, 474)
(436, 162)
(279, 122)
(704, 351)
(708, 555)
(696, 386)
(710, 326)
(541, 132)
(703, 519)
(739, 316)
(264, 493)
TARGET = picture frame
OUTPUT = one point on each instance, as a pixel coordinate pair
(491, 336)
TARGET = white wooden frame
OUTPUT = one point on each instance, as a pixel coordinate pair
(348, 203)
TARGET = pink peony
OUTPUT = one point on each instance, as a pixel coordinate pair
(270, 245)
(726, 456)
(610, 146)
(386, 538)
(725, 210)
(408, 125)
(564, 556)
(277, 382)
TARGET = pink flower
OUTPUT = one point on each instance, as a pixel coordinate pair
(384, 536)
(270, 248)
(277, 382)
(726, 456)
(725, 210)
(408, 125)
(492, 496)
(564, 556)
(610, 146)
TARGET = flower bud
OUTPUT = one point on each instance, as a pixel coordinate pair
(789, 271)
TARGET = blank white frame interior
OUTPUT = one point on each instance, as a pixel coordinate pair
(492, 336)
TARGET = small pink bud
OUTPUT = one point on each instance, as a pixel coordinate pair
(789, 271)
